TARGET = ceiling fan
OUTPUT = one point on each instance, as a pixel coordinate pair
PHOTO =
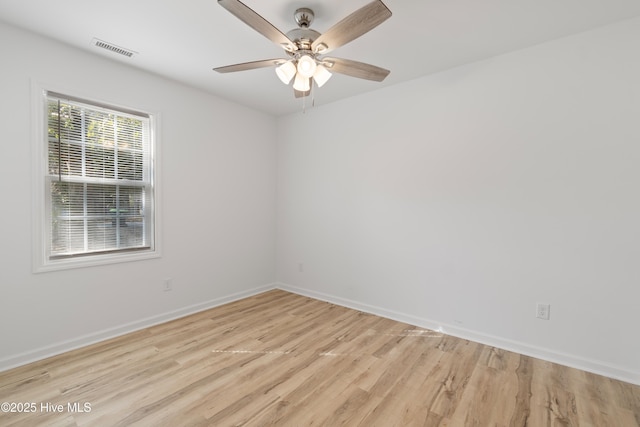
(305, 48)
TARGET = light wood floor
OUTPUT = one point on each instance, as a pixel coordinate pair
(279, 359)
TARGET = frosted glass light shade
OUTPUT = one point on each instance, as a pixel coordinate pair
(286, 72)
(321, 75)
(301, 83)
(306, 66)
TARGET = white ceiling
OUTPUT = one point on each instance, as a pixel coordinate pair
(184, 40)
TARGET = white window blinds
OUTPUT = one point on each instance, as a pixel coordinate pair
(99, 179)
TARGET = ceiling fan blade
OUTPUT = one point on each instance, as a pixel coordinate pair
(250, 65)
(353, 26)
(355, 69)
(257, 22)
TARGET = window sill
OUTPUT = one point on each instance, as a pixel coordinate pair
(94, 260)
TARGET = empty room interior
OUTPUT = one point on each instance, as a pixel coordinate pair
(444, 232)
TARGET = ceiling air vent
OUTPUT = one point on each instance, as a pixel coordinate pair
(113, 48)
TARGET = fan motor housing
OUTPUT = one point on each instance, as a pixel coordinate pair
(303, 37)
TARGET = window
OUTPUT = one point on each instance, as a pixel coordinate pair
(98, 186)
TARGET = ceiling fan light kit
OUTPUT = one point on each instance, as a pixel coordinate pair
(304, 46)
(302, 83)
(286, 72)
(306, 66)
(322, 75)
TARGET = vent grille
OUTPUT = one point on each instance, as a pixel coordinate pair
(113, 48)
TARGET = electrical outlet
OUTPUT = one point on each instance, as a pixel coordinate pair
(543, 311)
(300, 267)
(167, 285)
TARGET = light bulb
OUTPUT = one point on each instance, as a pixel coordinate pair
(286, 72)
(321, 75)
(301, 83)
(306, 66)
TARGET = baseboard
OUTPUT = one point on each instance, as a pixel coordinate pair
(549, 355)
(64, 346)
(573, 361)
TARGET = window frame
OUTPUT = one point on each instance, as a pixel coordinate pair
(41, 199)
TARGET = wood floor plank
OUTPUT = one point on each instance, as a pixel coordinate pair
(280, 359)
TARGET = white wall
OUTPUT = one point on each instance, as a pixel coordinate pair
(217, 206)
(457, 201)
(462, 199)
